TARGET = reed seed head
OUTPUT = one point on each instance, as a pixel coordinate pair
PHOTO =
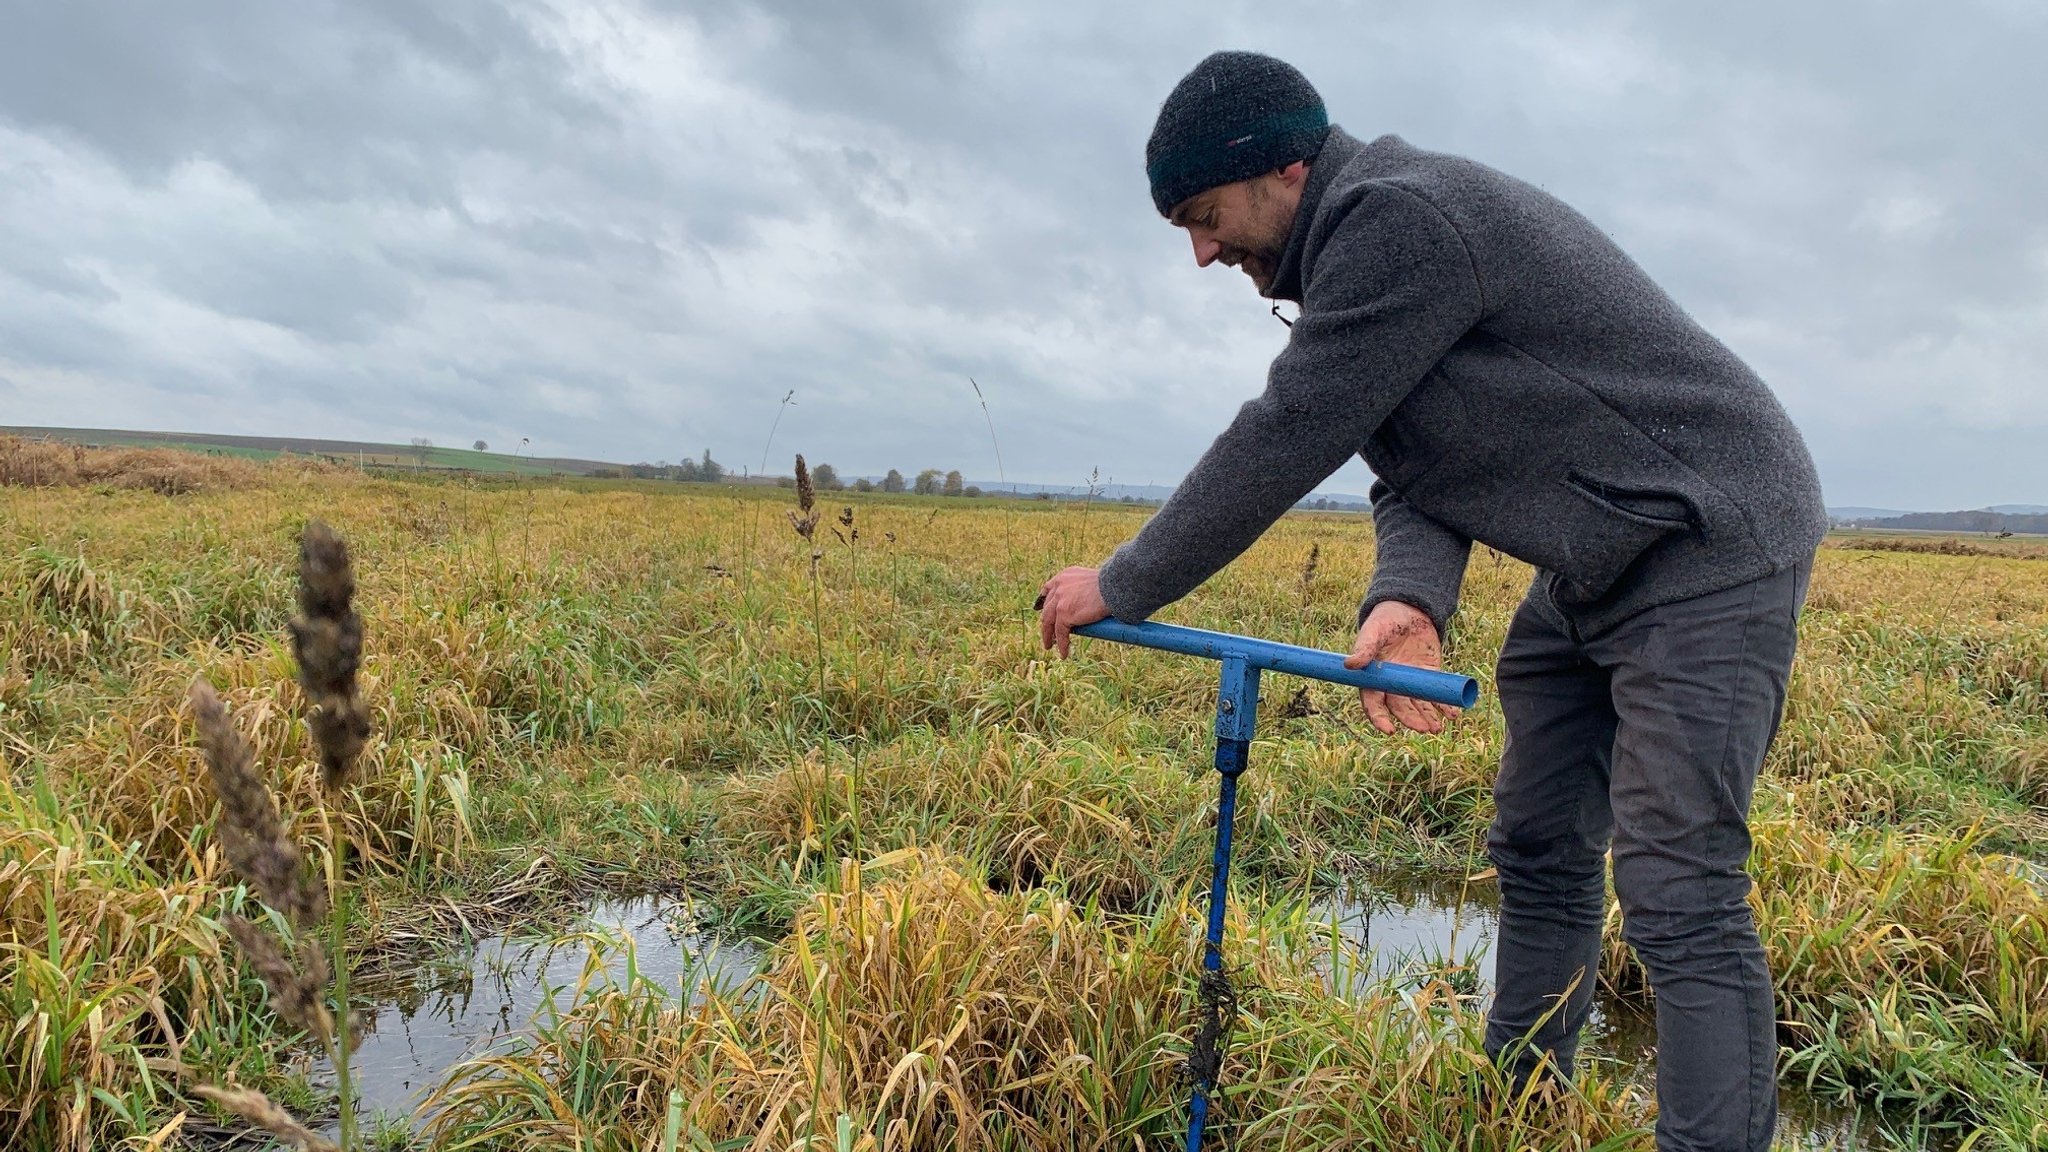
(299, 998)
(266, 1114)
(805, 519)
(327, 639)
(250, 830)
(805, 494)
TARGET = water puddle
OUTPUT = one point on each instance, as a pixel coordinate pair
(1418, 927)
(469, 1002)
(466, 1003)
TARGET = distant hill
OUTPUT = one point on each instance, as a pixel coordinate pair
(1153, 493)
(1982, 520)
(366, 452)
(435, 458)
(1866, 515)
(1139, 493)
(1853, 512)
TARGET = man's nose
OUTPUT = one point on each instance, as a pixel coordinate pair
(1207, 249)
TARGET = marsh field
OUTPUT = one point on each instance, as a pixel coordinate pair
(964, 882)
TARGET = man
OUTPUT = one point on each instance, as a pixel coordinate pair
(1512, 378)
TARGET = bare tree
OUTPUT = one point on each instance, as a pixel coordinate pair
(420, 447)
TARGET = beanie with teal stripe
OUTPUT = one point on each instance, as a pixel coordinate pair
(1238, 114)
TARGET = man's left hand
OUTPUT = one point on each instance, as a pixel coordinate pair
(1067, 601)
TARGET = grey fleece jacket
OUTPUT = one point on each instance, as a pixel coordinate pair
(1511, 377)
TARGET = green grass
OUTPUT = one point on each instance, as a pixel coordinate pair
(617, 685)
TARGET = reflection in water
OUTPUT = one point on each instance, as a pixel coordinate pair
(1432, 927)
(464, 1004)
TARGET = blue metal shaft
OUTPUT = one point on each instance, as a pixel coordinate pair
(1231, 759)
(1237, 716)
(1237, 705)
(1400, 679)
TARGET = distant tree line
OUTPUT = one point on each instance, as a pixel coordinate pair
(824, 477)
(930, 482)
(1981, 520)
(700, 471)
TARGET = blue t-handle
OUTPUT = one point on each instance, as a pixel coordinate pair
(1314, 663)
(1237, 703)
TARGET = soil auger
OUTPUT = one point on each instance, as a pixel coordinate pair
(1237, 705)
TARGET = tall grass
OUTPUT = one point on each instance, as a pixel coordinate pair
(912, 1008)
(306, 947)
(112, 980)
(649, 696)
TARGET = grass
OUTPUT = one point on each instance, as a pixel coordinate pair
(914, 1008)
(630, 687)
(113, 449)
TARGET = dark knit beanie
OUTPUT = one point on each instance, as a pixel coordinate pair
(1236, 115)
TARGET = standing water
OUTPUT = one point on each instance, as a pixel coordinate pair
(469, 1002)
(1436, 927)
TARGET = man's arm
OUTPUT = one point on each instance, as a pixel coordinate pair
(1420, 567)
(1392, 289)
(1418, 561)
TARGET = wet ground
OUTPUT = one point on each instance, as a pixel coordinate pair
(465, 1003)
(1421, 926)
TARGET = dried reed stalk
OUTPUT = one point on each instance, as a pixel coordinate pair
(265, 1113)
(298, 997)
(806, 496)
(327, 639)
(805, 523)
(250, 830)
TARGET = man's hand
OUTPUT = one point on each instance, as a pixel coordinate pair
(1068, 600)
(1399, 634)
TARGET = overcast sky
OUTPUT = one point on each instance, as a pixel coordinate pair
(626, 230)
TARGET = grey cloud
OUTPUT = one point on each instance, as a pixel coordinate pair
(626, 230)
(323, 100)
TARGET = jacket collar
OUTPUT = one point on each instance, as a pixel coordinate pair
(1339, 147)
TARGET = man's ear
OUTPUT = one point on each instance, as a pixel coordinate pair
(1293, 175)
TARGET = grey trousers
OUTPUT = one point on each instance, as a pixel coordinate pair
(1648, 736)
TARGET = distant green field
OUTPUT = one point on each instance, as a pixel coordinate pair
(396, 456)
(364, 452)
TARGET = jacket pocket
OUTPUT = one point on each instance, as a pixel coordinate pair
(1612, 527)
(1652, 507)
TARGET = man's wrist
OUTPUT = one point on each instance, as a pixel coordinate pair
(1417, 603)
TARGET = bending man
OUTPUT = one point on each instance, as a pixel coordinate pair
(1512, 378)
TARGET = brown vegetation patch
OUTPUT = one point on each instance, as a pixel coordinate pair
(170, 471)
(1945, 546)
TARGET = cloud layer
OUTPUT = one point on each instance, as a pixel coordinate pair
(625, 230)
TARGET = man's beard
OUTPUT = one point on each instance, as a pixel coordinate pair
(1261, 261)
(1260, 268)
